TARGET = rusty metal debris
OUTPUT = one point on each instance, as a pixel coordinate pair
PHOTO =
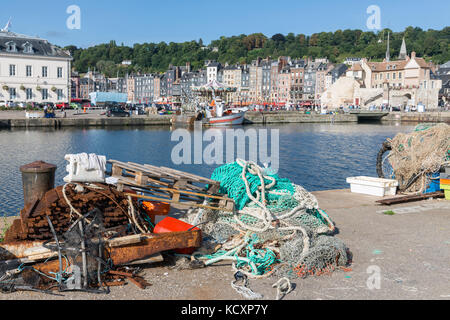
(85, 237)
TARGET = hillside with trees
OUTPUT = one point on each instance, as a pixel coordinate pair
(433, 45)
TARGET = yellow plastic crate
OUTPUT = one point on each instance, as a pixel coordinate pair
(446, 188)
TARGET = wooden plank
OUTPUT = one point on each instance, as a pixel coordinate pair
(204, 195)
(191, 204)
(390, 201)
(147, 170)
(146, 178)
(172, 175)
(168, 195)
(194, 187)
(193, 176)
(116, 170)
(159, 171)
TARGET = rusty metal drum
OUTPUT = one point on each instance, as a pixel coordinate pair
(37, 178)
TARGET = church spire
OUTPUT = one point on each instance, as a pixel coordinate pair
(403, 52)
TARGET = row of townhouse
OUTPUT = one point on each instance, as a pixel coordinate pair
(263, 81)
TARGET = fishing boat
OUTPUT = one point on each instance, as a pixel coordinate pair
(215, 113)
(217, 116)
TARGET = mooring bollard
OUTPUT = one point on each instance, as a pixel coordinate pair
(37, 178)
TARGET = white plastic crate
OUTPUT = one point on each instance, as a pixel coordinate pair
(34, 115)
(373, 186)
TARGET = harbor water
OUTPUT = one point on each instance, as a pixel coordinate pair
(316, 156)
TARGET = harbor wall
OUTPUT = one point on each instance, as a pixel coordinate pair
(283, 117)
(296, 117)
(85, 122)
(434, 117)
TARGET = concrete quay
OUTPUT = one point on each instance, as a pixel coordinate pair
(418, 117)
(409, 250)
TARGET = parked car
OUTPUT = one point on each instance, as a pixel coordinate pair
(116, 111)
(87, 105)
(74, 105)
(64, 105)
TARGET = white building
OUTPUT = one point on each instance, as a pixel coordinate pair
(33, 70)
(212, 70)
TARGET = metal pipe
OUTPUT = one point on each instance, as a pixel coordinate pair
(83, 254)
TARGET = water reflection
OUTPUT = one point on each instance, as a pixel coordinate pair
(317, 156)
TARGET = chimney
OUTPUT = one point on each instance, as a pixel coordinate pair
(413, 55)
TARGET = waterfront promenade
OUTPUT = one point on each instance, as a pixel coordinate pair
(411, 250)
(96, 118)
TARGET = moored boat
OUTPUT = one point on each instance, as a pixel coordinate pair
(227, 119)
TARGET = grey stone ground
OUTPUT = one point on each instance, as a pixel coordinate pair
(411, 249)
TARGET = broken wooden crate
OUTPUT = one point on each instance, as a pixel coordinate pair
(170, 185)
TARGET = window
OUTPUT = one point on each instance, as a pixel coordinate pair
(399, 75)
(29, 93)
(29, 71)
(44, 72)
(44, 94)
(12, 93)
(12, 69)
(27, 48)
(11, 46)
(393, 76)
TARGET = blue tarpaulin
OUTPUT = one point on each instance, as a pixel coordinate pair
(99, 97)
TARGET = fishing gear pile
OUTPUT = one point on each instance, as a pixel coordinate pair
(277, 228)
(416, 156)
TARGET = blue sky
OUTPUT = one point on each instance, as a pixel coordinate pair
(138, 21)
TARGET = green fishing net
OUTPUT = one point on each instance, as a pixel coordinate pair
(231, 183)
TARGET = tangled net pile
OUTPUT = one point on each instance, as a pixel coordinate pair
(277, 229)
(416, 156)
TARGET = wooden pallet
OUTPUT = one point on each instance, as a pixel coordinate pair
(169, 185)
(411, 198)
